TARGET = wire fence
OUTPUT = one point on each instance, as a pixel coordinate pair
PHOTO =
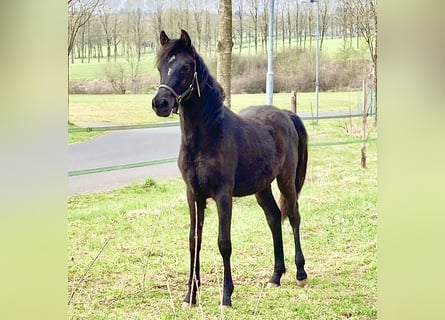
(170, 160)
(322, 116)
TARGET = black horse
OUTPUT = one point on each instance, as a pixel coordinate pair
(224, 155)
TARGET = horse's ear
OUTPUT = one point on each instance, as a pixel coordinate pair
(185, 38)
(163, 38)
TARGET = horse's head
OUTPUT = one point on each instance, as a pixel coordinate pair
(177, 67)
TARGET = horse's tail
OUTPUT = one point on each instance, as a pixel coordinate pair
(302, 151)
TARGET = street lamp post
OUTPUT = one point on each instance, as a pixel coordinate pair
(270, 75)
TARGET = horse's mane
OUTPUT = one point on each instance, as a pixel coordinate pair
(213, 107)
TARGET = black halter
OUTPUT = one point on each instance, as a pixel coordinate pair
(186, 94)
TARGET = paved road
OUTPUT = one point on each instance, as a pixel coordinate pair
(118, 148)
(130, 146)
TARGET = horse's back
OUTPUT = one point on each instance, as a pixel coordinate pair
(266, 138)
(271, 120)
(266, 115)
(259, 112)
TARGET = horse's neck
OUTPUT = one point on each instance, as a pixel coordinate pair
(196, 127)
(202, 115)
(192, 126)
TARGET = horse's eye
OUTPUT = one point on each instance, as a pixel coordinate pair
(185, 68)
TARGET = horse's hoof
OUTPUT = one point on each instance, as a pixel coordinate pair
(272, 285)
(186, 305)
(302, 283)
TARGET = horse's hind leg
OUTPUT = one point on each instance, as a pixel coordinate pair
(289, 208)
(273, 215)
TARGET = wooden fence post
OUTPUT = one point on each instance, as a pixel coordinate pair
(365, 121)
(293, 101)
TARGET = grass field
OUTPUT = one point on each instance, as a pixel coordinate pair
(80, 136)
(128, 249)
(136, 109)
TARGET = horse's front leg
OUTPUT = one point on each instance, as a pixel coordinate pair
(196, 207)
(224, 206)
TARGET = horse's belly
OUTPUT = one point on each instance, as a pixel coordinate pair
(252, 179)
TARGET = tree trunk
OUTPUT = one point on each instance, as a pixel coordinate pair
(375, 90)
(82, 45)
(224, 49)
(374, 60)
(365, 123)
(109, 51)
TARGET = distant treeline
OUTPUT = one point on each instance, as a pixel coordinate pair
(115, 28)
(108, 30)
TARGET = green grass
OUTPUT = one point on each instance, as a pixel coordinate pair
(113, 108)
(74, 137)
(136, 109)
(143, 229)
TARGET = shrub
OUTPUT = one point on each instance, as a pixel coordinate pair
(253, 81)
(116, 82)
(294, 70)
(89, 87)
(116, 75)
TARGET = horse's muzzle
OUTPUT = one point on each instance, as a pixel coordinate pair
(163, 106)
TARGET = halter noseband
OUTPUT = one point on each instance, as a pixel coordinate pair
(186, 93)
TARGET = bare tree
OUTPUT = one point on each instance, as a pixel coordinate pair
(198, 7)
(158, 11)
(324, 19)
(115, 32)
(105, 17)
(307, 19)
(136, 23)
(239, 13)
(365, 15)
(184, 19)
(132, 56)
(264, 30)
(282, 22)
(79, 13)
(207, 32)
(298, 23)
(224, 48)
(253, 12)
(289, 24)
(96, 38)
(344, 17)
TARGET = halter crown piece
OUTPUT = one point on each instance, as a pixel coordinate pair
(186, 93)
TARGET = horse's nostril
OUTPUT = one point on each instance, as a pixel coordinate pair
(164, 103)
(159, 103)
